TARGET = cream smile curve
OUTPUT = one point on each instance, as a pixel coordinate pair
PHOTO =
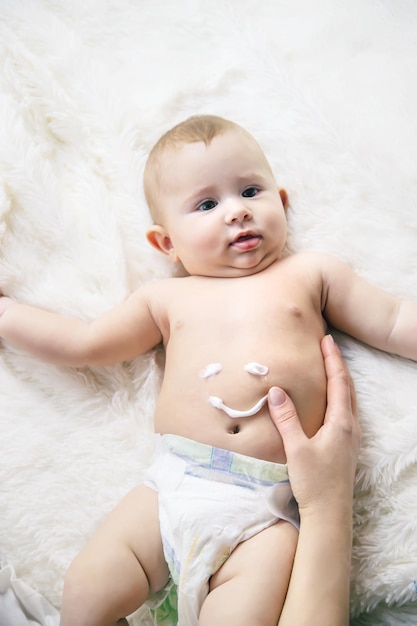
(219, 404)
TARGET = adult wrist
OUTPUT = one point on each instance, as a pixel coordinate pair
(329, 513)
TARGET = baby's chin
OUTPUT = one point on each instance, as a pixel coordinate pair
(245, 266)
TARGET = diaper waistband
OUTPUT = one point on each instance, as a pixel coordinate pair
(201, 458)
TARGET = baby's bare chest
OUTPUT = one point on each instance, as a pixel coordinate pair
(234, 327)
(246, 312)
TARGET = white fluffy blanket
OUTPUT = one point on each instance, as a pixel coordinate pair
(86, 86)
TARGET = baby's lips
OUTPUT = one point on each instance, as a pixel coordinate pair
(246, 241)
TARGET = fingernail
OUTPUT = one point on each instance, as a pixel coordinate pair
(276, 396)
(330, 338)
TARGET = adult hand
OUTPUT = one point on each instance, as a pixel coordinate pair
(321, 472)
(321, 469)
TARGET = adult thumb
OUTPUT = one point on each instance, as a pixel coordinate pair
(283, 414)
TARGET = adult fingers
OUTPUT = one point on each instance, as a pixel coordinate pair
(341, 397)
(285, 418)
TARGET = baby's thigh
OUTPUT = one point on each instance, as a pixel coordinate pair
(259, 570)
(133, 525)
(123, 562)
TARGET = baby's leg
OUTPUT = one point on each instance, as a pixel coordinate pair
(250, 587)
(119, 567)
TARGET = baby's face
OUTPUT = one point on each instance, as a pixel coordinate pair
(222, 209)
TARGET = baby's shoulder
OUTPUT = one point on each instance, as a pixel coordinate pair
(164, 289)
(309, 260)
(312, 269)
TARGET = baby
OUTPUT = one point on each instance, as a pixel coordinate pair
(246, 317)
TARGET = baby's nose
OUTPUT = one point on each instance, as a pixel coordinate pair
(237, 211)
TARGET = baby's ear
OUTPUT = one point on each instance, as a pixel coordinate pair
(159, 239)
(284, 198)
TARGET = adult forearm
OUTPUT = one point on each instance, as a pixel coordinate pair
(318, 593)
(46, 335)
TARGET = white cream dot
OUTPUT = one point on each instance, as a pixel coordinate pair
(257, 369)
(210, 370)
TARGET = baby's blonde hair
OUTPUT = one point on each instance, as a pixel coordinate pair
(196, 128)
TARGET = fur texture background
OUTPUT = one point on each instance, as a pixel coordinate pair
(329, 89)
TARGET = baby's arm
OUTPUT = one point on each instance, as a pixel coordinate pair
(353, 305)
(403, 338)
(120, 334)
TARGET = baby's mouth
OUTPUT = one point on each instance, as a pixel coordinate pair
(246, 241)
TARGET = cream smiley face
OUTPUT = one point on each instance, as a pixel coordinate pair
(257, 369)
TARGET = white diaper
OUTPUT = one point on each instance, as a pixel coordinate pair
(210, 500)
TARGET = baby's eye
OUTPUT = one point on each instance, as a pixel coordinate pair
(250, 192)
(207, 205)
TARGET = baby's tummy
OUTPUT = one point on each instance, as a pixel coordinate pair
(254, 436)
(186, 410)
